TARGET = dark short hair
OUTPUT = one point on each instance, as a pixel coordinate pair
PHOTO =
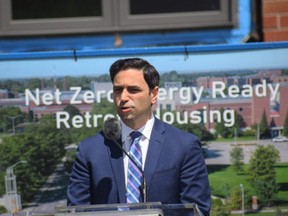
(150, 74)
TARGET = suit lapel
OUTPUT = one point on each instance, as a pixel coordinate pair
(118, 170)
(154, 150)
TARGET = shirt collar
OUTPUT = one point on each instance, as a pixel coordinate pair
(146, 129)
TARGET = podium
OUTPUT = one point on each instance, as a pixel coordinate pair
(135, 209)
(123, 209)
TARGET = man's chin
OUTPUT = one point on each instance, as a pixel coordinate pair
(126, 117)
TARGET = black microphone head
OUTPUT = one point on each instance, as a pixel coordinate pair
(112, 129)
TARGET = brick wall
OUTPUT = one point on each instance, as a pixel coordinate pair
(275, 20)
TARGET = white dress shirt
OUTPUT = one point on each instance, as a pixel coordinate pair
(146, 131)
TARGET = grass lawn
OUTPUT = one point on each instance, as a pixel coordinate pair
(242, 138)
(223, 177)
(258, 214)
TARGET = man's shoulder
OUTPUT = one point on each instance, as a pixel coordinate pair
(172, 130)
(93, 140)
(93, 148)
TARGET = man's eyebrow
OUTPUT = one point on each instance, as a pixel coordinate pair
(129, 86)
(133, 86)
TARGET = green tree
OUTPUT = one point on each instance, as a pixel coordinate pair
(235, 200)
(239, 123)
(12, 150)
(279, 212)
(197, 129)
(262, 175)
(6, 115)
(2, 209)
(236, 158)
(219, 208)
(264, 127)
(72, 110)
(42, 146)
(30, 116)
(12, 86)
(285, 128)
(99, 109)
(221, 129)
(104, 107)
(104, 78)
(34, 83)
(69, 160)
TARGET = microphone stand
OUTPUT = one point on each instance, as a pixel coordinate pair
(143, 186)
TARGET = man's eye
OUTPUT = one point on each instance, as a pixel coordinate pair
(117, 90)
(134, 90)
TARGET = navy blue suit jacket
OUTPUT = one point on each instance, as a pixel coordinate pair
(175, 170)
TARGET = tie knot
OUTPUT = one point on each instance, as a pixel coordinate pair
(135, 134)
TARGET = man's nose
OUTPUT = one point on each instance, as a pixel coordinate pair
(124, 95)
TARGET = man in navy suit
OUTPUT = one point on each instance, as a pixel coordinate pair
(173, 162)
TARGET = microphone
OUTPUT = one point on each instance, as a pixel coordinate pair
(112, 130)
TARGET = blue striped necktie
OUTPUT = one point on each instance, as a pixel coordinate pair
(134, 178)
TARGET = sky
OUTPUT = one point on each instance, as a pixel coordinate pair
(196, 62)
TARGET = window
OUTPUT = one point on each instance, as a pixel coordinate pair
(171, 6)
(32, 17)
(151, 14)
(35, 9)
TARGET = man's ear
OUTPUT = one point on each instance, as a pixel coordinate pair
(154, 95)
